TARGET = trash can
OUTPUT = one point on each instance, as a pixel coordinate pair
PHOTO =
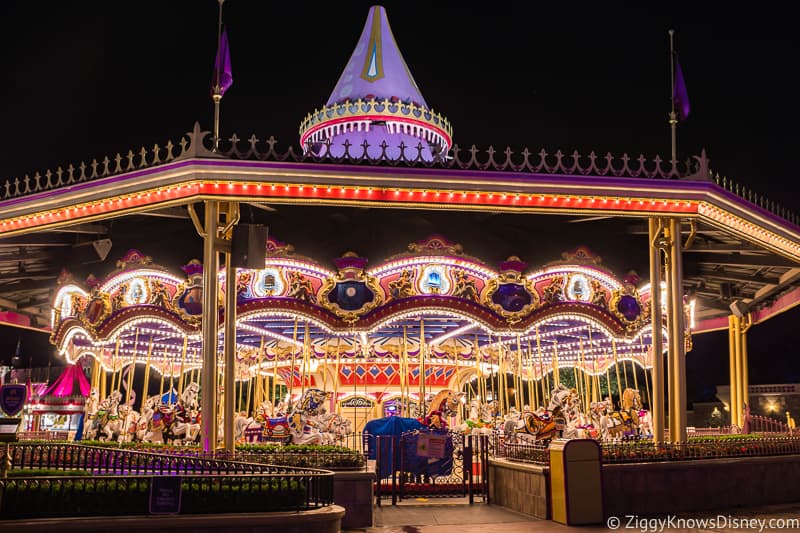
(576, 482)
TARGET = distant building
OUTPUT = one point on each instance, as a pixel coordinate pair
(772, 400)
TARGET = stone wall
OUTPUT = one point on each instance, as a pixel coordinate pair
(520, 487)
(685, 486)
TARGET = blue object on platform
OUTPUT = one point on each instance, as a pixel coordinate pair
(393, 426)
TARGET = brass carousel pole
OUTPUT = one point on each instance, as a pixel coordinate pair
(306, 358)
(533, 396)
(96, 370)
(291, 369)
(423, 408)
(545, 380)
(616, 370)
(556, 369)
(258, 384)
(163, 371)
(132, 369)
(405, 396)
(183, 364)
(114, 367)
(646, 380)
(336, 377)
(146, 384)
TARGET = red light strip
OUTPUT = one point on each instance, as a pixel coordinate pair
(398, 196)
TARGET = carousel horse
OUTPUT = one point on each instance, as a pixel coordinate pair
(298, 427)
(107, 412)
(625, 422)
(333, 426)
(155, 418)
(480, 420)
(444, 404)
(560, 418)
(597, 414)
(90, 410)
(240, 422)
(645, 423)
(264, 411)
(186, 420)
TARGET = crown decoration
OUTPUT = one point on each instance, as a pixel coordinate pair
(133, 258)
(361, 115)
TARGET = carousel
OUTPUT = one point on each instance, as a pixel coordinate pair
(426, 325)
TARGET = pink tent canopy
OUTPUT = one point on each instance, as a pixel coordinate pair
(66, 383)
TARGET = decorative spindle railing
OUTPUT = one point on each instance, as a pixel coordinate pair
(638, 451)
(197, 143)
(108, 481)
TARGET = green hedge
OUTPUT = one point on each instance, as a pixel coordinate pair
(53, 497)
(42, 472)
(299, 455)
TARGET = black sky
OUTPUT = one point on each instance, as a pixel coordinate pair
(86, 80)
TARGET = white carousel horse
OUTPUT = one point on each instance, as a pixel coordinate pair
(90, 414)
(334, 427)
(480, 420)
(107, 413)
(298, 427)
(598, 412)
(240, 423)
(299, 420)
(561, 418)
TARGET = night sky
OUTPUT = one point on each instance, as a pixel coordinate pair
(86, 80)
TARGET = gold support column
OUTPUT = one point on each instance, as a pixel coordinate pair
(208, 426)
(657, 407)
(745, 392)
(675, 321)
(228, 416)
(737, 347)
(230, 355)
(734, 387)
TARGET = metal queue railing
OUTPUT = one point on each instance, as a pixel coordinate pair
(112, 481)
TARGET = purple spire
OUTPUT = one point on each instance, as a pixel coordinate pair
(376, 69)
(376, 103)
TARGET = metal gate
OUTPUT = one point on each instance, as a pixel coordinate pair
(432, 463)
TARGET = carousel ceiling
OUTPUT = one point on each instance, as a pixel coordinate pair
(433, 298)
(719, 269)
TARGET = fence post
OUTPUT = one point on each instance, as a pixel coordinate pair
(484, 460)
(467, 463)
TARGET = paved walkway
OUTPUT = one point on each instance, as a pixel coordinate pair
(455, 516)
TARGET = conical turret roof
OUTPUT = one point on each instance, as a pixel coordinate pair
(376, 68)
(376, 109)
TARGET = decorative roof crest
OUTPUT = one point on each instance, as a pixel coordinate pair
(132, 259)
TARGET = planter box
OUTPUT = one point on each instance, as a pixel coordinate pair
(524, 488)
(353, 490)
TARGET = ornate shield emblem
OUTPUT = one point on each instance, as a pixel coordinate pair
(12, 398)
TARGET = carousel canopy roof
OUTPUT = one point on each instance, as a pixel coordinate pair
(432, 299)
(377, 102)
(376, 69)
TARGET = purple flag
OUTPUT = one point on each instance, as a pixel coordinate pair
(223, 75)
(680, 96)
